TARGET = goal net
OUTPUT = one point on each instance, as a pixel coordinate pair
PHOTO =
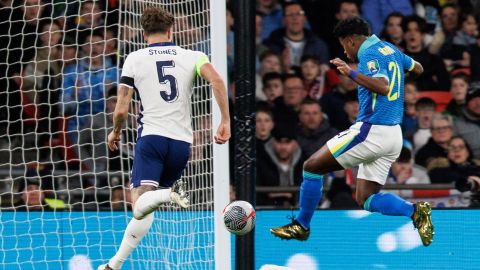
(64, 196)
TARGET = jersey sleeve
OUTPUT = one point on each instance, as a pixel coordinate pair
(202, 59)
(408, 62)
(128, 73)
(375, 66)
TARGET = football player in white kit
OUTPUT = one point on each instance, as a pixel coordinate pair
(163, 74)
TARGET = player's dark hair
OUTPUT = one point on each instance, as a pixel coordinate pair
(270, 76)
(341, 2)
(351, 26)
(309, 57)
(156, 20)
(417, 19)
(425, 103)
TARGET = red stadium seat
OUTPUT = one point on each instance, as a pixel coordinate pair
(442, 98)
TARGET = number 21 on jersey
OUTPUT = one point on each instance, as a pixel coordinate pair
(167, 78)
(394, 94)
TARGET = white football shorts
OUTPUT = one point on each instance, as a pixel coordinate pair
(371, 147)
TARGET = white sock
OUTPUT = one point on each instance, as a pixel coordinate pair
(134, 233)
(150, 201)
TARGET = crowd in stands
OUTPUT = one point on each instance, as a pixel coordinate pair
(58, 76)
(302, 101)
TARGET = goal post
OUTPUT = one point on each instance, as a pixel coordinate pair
(44, 141)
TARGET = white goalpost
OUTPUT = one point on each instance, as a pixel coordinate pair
(64, 196)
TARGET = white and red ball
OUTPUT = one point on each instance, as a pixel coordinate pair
(239, 217)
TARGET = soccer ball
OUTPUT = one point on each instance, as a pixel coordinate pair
(239, 217)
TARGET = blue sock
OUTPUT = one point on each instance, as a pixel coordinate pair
(310, 195)
(388, 204)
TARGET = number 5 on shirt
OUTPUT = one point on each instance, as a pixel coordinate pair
(167, 78)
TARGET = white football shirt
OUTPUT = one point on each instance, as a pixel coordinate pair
(163, 74)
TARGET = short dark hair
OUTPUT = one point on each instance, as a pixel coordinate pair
(309, 101)
(268, 53)
(292, 76)
(271, 76)
(351, 26)
(422, 24)
(341, 2)
(405, 155)
(309, 57)
(460, 75)
(425, 103)
(156, 20)
(290, 3)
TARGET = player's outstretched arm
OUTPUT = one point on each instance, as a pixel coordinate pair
(377, 85)
(124, 97)
(208, 72)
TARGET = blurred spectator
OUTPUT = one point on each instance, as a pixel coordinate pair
(467, 35)
(282, 167)
(315, 130)
(344, 9)
(89, 18)
(435, 76)
(458, 167)
(85, 84)
(18, 36)
(272, 86)
(475, 61)
(263, 129)
(404, 171)
(32, 197)
(313, 76)
(111, 43)
(121, 198)
(351, 108)
(41, 84)
(293, 41)
(443, 37)
(269, 62)
(392, 29)
(409, 123)
(425, 109)
(458, 90)
(69, 53)
(428, 10)
(260, 48)
(333, 103)
(463, 169)
(377, 11)
(287, 106)
(437, 145)
(272, 18)
(468, 124)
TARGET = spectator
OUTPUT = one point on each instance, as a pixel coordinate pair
(85, 84)
(475, 61)
(18, 36)
(314, 131)
(457, 167)
(293, 41)
(313, 76)
(425, 109)
(272, 18)
(269, 62)
(272, 86)
(286, 107)
(376, 12)
(409, 123)
(263, 129)
(468, 124)
(41, 83)
(437, 145)
(392, 29)
(344, 9)
(69, 53)
(333, 103)
(33, 197)
(404, 171)
(90, 18)
(435, 75)
(121, 198)
(443, 37)
(463, 169)
(260, 48)
(282, 168)
(467, 35)
(351, 109)
(459, 93)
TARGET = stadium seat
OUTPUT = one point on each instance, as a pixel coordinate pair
(442, 98)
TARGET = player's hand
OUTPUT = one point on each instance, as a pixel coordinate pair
(223, 133)
(343, 67)
(113, 139)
